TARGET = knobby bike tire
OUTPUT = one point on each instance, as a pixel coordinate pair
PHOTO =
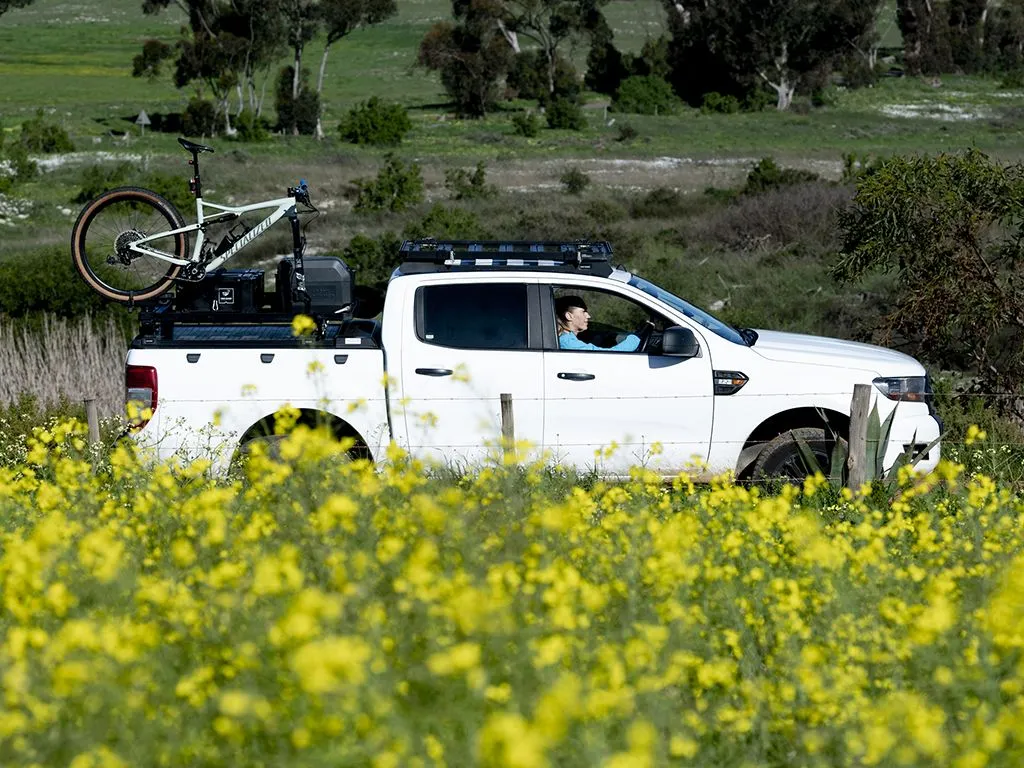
(104, 229)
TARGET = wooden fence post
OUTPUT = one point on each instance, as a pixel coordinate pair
(857, 460)
(93, 420)
(508, 425)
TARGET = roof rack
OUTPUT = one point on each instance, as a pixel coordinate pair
(430, 255)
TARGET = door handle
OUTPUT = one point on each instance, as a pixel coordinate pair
(576, 376)
(434, 371)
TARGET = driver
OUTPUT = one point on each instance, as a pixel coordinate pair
(573, 317)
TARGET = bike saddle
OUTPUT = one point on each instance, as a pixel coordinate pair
(194, 148)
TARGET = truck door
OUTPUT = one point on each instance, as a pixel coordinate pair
(612, 409)
(473, 342)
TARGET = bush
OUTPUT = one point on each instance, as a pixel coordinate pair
(464, 185)
(766, 175)
(856, 167)
(396, 187)
(46, 281)
(717, 103)
(15, 167)
(529, 77)
(575, 181)
(94, 180)
(200, 118)
(172, 187)
(443, 222)
(299, 114)
(376, 123)
(37, 135)
(526, 124)
(626, 132)
(566, 114)
(645, 95)
(659, 203)
(802, 215)
(826, 96)
(373, 259)
(250, 127)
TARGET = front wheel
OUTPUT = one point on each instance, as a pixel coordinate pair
(104, 233)
(782, 458)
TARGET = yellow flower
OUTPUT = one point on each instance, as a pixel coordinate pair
(303, 325)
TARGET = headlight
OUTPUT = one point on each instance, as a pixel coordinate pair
(914, 389)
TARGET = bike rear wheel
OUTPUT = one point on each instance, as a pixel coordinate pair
(104, 232)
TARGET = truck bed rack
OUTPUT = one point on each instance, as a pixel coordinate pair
(160, 325)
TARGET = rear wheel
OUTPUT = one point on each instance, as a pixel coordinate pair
(104, 233)
(782, 458)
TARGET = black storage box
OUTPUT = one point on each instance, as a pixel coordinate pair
(226, 290)
(328, 282)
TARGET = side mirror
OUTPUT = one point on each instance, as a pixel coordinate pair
(677, 341)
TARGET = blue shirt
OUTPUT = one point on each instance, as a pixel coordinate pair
(568, 340)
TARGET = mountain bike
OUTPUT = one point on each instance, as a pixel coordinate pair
(131, 245)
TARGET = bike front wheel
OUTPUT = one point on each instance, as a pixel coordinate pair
(104, 233)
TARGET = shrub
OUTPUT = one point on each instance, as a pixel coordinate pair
(659, 203)
(626, 132)
(645, 95)
(464, 185)
(250, 127)
(766, 174)
(856, 166)
(801, 215)
(16, 166)
(443, 222)
(172, 187)
(529, 77)
(299, 114)
(376, 123)
(604, 211)
(200, 118)
(45, 281)
(396, 187)
(575, 181)
(565, 113)
(373, 259)
(826, 96)
(94, 180)
(526, 124)
(717, 103)
(37, 135)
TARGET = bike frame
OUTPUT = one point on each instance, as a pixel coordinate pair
(284, 206)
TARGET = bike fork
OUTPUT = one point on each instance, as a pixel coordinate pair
(298, 246)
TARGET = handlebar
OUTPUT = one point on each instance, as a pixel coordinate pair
(300, 193)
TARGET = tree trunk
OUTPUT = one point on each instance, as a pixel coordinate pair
(783, 84)
(510, 36)
(295, 84)
(784, 90)
(319, 133)
(551, 70)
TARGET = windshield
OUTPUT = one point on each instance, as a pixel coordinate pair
(713, 324)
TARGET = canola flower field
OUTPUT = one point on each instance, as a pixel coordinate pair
(312, 611)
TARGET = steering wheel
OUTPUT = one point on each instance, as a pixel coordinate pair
(644, 332)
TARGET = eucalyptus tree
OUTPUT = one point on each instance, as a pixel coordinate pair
(341, 18)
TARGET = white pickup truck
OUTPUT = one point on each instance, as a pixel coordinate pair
(464, 323)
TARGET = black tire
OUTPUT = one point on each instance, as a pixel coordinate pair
(781, 458)
(107, 225)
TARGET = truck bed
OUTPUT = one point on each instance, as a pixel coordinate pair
(347, 334)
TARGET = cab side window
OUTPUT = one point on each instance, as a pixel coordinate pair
(473, 316)
(612, 317)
